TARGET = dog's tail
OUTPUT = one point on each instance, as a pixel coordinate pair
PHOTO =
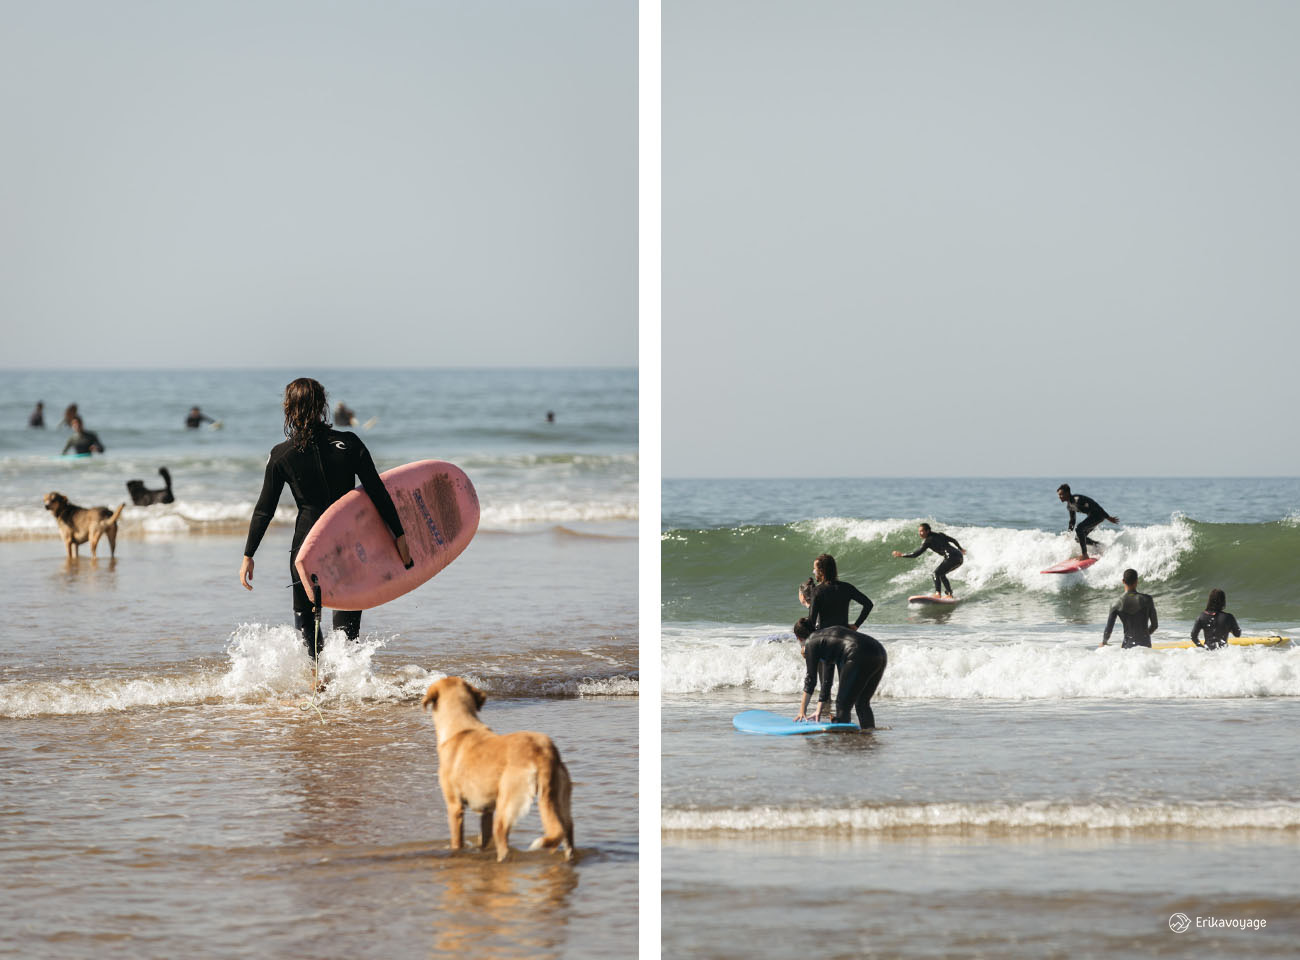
(116, 514)
(429, 697)
(554, 794)
(167, 477)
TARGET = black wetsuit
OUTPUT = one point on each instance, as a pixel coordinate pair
(1217, 626)
(949, 549)
(196, 420)
(317, 477)
(82, 442)
(861, 660)
(829, 607)
(1137, 611)
(1094, 513)
(37, 419)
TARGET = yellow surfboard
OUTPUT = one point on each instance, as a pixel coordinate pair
(1233, 641)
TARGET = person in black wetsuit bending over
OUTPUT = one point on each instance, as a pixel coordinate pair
(1216, 622)
(319, 464)
(861, 662)
(946, 547)
(1137, 611)
(1094, 513)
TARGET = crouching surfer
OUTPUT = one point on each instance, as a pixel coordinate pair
(946, 547)
(860, 660)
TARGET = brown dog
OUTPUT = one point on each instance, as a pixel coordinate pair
(79, 524)
(497, 776)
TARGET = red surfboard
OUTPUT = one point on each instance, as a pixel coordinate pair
(1072, 566)
(930, 598)
(351, 551)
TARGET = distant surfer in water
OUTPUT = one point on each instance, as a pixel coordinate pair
(82, 440)
(344, 416)
(1216, 622)
(196, 418)
(861, 662)
(37, 419)
(319, 464)
(1137, 611)
(1094, 513)
(946, 547)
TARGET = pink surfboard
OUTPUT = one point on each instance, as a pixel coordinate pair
(351, 551)
(1071, 566)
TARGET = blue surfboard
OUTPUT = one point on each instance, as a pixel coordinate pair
(775, 725)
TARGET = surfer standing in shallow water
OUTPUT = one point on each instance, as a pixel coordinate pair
(1094, 513)
(1137, 611)
(861, 661)
(319, 464)
(946, 547)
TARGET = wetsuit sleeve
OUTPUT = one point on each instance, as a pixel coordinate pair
(863, 599)
(952, 540)
(1110, 621)
(71, 440)
(377, 491)
(1151, 613)
(925, 545)
(813, 611)
(94, 441)
(1197, 627)
(1069, 505)
(272, 485)
(1233, 628)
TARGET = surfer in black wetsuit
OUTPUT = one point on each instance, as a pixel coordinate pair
(828, 606)
(83, 440)
(319, 464)
(37, 419)
(1137, 611)
(946, 547)
(1216, 622)
(861, 662)
(196, 418)
(1094, 513)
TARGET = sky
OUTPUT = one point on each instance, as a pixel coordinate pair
(980, 239)
(223, 183)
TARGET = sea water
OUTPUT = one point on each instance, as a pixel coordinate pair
(1029, 793)
(168, 784)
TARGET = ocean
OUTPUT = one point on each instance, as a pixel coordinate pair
(1028, 793)
(168, 784)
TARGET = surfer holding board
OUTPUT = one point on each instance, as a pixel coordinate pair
(319, 465)
(946, 547)
(1094, 513)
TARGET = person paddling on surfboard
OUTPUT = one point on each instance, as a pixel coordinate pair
(1137, 611)
(946, 547)
(861, 661)
(1094, 513)
(1216, 622)
(319, 464)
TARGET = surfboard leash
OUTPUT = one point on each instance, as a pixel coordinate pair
(315, 663)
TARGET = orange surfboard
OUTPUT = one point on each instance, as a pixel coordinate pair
(351, 551)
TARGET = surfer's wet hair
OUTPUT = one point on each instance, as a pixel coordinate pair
(1130, 577)
(1064, 488)
(802, 628)
(925, 527)
(806, 588)
(825, 565)
(1218, 600)
(305, 407)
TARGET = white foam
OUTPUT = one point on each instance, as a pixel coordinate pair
(954, 817)
(975, 668)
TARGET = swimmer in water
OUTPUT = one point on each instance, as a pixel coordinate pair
(82, 440)
(1216, 622)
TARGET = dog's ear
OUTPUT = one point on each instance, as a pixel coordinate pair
(430, 698)
(480, 697)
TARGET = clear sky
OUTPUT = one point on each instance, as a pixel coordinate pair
(235, 183)
(992, 238)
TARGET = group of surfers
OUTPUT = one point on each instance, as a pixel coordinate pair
(828, 643)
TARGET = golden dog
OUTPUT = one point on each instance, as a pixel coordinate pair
(497, 776)
(79, 524)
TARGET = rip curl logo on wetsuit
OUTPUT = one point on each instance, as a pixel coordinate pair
(340, 444)
(428, 519)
